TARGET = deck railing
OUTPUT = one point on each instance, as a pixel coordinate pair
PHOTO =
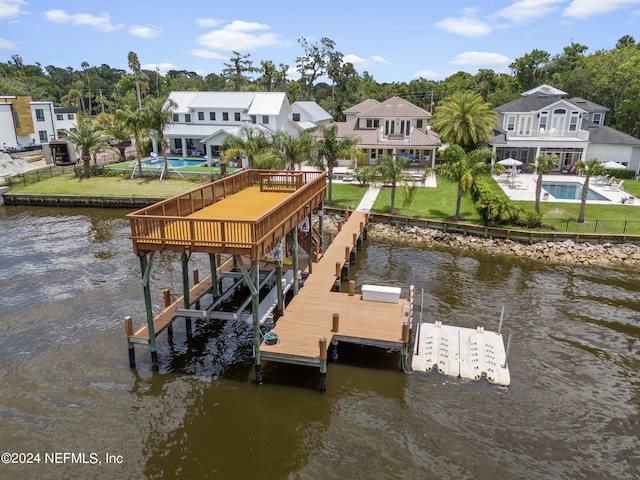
(167, 225)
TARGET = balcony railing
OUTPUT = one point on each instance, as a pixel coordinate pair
(548, 134)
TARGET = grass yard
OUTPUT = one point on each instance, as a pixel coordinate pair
(69, 184)
(344, 195)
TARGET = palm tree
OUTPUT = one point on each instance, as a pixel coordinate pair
(543, 164)
(464, 119)
(134, 65)
(293, 150)
(136, 123)
(391, 171)
(158, 113)
(252, 143)
(463, 168)
(89, 138)
(119, 131)
(330, 148)
(590, 168)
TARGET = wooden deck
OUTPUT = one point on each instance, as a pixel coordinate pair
(309, 315)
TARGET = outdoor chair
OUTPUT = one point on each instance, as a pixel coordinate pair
(569, 169)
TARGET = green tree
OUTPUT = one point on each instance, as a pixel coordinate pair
(330, 148)
(391, 170)
(134, 65)
(158, 113)
(464, 119)
(589, 168)
(253, 144)
(530, 68)
(89, 138)
(499, 210)
(135, 121)
(543, 164)
(118, 130)
(236, 71)
(463, 168)
(294, 150)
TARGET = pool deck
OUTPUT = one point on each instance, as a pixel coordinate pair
(526, 189)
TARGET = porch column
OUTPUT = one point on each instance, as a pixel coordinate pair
(183, 142)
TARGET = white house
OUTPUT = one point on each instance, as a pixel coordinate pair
(543, 121)
(203, 120)
(66, 118)
(392, 127)
(25, 124)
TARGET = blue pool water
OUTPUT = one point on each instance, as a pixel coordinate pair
(570, 191)
(173, 162)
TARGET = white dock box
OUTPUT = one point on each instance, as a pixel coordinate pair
(380, 293)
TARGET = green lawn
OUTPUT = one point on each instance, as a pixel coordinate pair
(68, 184)
(344, 194)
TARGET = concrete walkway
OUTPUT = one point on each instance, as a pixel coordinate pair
(368, 199)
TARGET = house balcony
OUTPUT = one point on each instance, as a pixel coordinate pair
(552, 134)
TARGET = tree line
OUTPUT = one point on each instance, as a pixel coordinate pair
(610, 78)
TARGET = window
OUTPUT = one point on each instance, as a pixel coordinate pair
(511, 123)
(176, 117)
(253, 119)
(59, 117)
(187, 117)
(200, 115)
(236, 116)
(43, 135)
(70, 116)
(419, 123)
(225, 116)
(296, 117)
(39, 115)
(543, 120)
(369, 122)
(597, 118)
(573, 122)
(16, 119)
(524, 128)
(212, 116)
(265, 119)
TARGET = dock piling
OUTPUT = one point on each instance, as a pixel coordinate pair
(322, 344)
(352, 288)
(128, 327)
(167, 301)
(405, 345)
(336, 323)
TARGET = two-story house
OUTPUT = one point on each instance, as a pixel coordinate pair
(66, 118)
(543, 121)
(392, 127)
(25, 124)
(203, 120)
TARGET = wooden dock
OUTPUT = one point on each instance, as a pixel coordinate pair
(310, 315)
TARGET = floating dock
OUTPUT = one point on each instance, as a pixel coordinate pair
(461, 352)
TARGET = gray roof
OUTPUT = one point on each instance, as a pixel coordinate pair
(588, 105)
(315, 111)
(530, 103)
(603, 135)
(545, 89)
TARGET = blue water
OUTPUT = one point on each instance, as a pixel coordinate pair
(570, 191)
(173, 162)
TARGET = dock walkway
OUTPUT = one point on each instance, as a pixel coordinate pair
(309, 315)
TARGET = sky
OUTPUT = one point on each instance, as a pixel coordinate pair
(395, 41)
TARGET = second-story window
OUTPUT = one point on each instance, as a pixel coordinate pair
(59, 116)
(236, 116)
(176, 117)
(39, 114)
(265, 119)
(187, 117)
(573, 122)
(225, 116)
(200, 115)
(597, 118)
(212, 116)
(419, 123)
(543, 121)
(511, 123)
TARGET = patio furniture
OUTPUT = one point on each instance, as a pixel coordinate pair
(569, 169)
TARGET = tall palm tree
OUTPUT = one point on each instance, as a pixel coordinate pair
(137, 125)
(589, 168)
(330, 148)
(463, 168)
(293, 150)
(134, 65)
(391, 171)
(89, 138)
(464, 119)
(158, 113)
(544, 163)
(119, 131)
(252, 143)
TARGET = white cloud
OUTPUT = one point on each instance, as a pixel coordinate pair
(481, 59)
(589, 8)
(7, 44)
(208, 22)
(162, 68)
(10, 8)
(208, 54)
(239, 36)
(465, 26)
(145, 31)
(101, 23)
(524, 11)
(362, 63)
(429, 75)
(379, 59)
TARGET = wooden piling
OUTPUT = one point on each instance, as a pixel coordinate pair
(167, 301)
(352, 288)
(405, 345)
(128, 327)
(331, 237)
(339, 226)
(336, 323)
(322, 344)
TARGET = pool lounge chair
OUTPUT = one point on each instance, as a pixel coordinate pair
(569, 169)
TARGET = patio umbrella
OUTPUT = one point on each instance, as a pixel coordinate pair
(613, 165)
(510, 162)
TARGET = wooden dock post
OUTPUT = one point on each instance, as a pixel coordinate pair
(338, 276)
(279, 293)
(214, 274)
(128, 327)
(322, 344)
(331, 237)
(167, 301)
(196, 280)
(405, 345)
(352, 288)
(335, 326)
(255, 307)
(339, 225)
(185, 290)
(145, 266)
(321, 225)
(310, 243)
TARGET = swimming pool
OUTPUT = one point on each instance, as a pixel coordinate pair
(172, 162)
(570, 191)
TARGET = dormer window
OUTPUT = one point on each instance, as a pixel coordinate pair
(597, 118)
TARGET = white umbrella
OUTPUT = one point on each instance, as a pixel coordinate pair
(613, 165)
(510, 162)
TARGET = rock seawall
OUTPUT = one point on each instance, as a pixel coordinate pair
(567, 252)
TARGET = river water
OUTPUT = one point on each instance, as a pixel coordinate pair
(68, 277)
